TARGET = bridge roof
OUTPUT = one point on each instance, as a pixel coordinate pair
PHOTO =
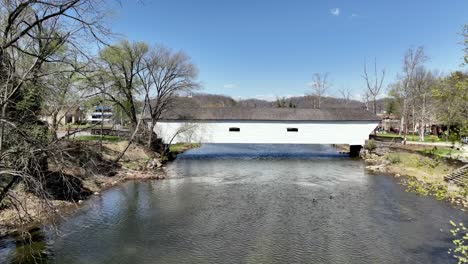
(269, 114)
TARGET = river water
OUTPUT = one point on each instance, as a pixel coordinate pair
(257, 204)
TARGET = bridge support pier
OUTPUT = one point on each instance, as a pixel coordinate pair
(354, 150)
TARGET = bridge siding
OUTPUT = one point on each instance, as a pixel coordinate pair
(268, 132)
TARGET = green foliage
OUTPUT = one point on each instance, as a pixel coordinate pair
(460, 238)
(430, 138)
(180, 147)
(123, 63)
(393, 106)
(441, 152)
(416, 186)
(370, 145)
(27, 103)
(394, 158)
(452, 98)
(125, 53)
(282, 102)
(426, 187)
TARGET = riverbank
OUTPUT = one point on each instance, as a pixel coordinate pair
(91, 171)
(422, 169)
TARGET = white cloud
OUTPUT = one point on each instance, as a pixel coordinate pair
(354, 15)
(230, 86)
(335, 11)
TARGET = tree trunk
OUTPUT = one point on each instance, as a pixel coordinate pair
(402, 119)
(447, 135)
(9, 186)
(133, 116)
(54, 126)
(422, 130)
(102, 128)
(150, 130)
(2, 127)
(130, 141)
(375, 106)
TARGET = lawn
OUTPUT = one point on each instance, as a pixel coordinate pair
(429, 138)
(74, 126)
(180, 147)
(98, 137)
(441, 151)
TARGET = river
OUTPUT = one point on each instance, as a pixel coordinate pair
(257, 204)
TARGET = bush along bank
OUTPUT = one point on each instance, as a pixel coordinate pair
(421, 173)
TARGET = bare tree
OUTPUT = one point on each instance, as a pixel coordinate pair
(166, 75)
(345, 94)
(411, 61)
(319, 85)
(64, 92)
(35, 36)
(424, 82)
(187, 130)
(374, 83)
(365, 99)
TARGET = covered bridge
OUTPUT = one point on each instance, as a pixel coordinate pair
(267, 125)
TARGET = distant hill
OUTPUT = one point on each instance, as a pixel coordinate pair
(307, 101)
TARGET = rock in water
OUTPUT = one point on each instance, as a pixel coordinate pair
(154, 163)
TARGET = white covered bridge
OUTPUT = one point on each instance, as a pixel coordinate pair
(350, 126)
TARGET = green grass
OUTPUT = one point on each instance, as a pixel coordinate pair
(418, 164)
(179, 147)
(441, 151)
(411, 137)
(98, 137)
(75, 126)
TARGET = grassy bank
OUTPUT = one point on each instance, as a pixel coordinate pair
(181, 147)
(443, 152)
(411, 137)
(423, 174)
(176, 149)
(430, 151)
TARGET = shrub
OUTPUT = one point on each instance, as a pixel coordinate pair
(394, 158)
(370, 145)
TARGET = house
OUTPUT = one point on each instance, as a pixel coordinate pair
(100, 114)
(64, 116)
(389, 122)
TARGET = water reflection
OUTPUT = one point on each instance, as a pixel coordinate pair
(260, 204)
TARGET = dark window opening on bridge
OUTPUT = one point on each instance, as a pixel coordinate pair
(234, 129)
(292, 129)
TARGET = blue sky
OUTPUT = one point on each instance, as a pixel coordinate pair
(268, 48)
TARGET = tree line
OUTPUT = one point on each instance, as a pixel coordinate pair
(420, 96)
